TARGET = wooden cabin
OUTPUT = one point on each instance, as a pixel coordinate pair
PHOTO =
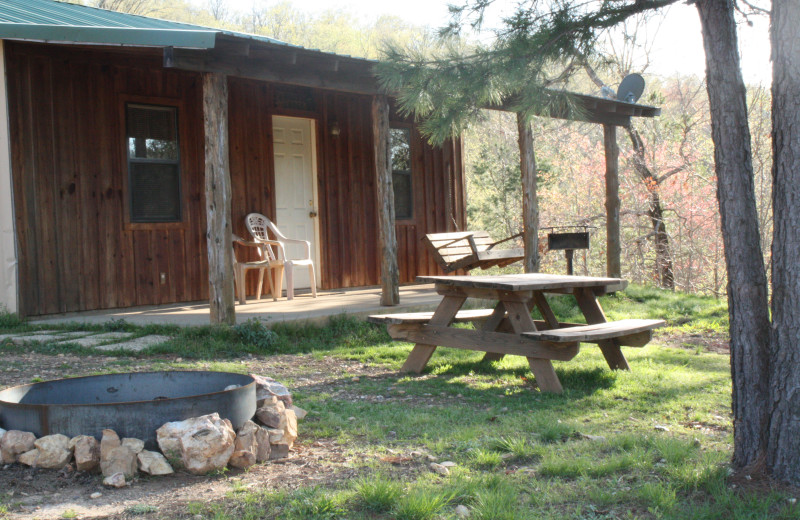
(134, 147)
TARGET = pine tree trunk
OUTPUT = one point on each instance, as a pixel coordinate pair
(530, 198)
(747, 281)
(783, 458)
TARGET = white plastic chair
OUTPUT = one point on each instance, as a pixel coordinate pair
(267, 263)
(260, 227)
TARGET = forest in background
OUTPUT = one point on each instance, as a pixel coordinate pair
(670, 220)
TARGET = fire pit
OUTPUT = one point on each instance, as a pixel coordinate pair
(133, 404)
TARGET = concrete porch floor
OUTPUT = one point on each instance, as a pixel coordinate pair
(358, 302)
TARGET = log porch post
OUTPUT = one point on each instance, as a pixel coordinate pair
(387, 239)
(530, 198)
(218, 199)
(613, 246)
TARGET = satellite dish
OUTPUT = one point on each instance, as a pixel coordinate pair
(631, 88)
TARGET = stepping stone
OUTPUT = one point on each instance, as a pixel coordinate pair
(36, 338)
(99, 339)
(76, 334)
(137, 344)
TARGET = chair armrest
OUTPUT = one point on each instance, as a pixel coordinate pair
(306, 243)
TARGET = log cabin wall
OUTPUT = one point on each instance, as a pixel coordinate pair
(77, 249)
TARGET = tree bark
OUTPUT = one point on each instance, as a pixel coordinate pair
(218, 199)
(747, 282)
(655, 212)
(387, 238)
(530, 198)
(613, 241)
(783, 458)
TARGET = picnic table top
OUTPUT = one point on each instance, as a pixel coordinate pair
(525, 282)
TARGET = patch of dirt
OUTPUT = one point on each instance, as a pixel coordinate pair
(714, 343)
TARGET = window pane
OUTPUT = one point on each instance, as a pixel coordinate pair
(402, 194)
(152, 132)
(401, 172)
(401, 148)
(155, 192)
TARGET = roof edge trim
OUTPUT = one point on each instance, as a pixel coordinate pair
(110, 35)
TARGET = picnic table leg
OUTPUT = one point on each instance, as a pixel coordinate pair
(520, 317)
(491, 325)
(443, 316)
(591, 309)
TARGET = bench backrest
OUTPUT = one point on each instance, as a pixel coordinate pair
(446, 248)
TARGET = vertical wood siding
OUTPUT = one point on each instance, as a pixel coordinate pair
(69, 169)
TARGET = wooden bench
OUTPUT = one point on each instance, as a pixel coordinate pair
(631, 333)
(424, 317)
(470, 249)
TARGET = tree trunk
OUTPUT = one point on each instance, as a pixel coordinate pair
(613, 240)
(783, 458)
(530, 199)
(655, 212)
(747, 281)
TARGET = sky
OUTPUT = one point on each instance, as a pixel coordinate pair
(677, 44)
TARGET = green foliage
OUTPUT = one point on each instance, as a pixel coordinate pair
(9, 320)
(140, 509)
(255, 332)
(421, 504)
(314, 504)
(377, 493)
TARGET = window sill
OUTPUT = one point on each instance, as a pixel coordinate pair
(148, 226)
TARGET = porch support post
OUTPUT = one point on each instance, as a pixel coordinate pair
(218, 199)
(530, 198)
(387, 239)
(613, 246)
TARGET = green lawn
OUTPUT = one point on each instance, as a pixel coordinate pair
(651, 443)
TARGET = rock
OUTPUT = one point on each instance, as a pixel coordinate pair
(272, 413)
(462, 511)
(118, 460)
(54, 452)
(245, 447)
(278, 450)
(116, 480)
(275, 436)
(262, 437)
(29, 458)
(96, 494)
(153, 463)
(661, 428)
(135, 445)
(448, 464)
(14, 443)
(202, 444)
(596, 438)
(267, 387)
(438, 468)
(2, 432)
(290, 427)
(299, 412)
(87, 452)
(108, 442)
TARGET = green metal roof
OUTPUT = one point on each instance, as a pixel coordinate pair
(53, 21)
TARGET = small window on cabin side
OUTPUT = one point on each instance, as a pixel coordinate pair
(153, 163)
(401, 173)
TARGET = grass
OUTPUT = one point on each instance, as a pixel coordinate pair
(593, 452)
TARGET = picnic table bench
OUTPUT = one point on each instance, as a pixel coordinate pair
(508, 327)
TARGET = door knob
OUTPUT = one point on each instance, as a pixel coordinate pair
(312, 214)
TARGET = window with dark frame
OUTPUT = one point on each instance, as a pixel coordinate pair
(400, 144)
(154, 178)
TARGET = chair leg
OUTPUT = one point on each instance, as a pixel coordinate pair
(239, 278)
(260, 283)
(313, 280)
(277, 283)
(289, 281)
(270, 284)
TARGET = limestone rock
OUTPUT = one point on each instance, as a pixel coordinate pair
(245, 447)
(118, 460)
(87, 452)
(15, 443)
(275, 436)
(108, 442)
(262, 437)
(135, 445)
(203, 443)
(299, 412)
(153, 463)
(290, 427)
(278, 450)
(438, 468)
(54, 452)
(116, 480)
(267, 387)
(272, 413)
(29, 458)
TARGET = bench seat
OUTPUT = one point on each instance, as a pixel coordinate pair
(425, 317)
(597, 332)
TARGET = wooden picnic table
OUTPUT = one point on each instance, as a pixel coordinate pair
(509, 329)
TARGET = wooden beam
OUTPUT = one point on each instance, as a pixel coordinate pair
(530, 199)
(218, 199)
(613, 246)
(269, 70)
(387, 240)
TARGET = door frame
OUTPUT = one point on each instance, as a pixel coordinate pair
(316, 253)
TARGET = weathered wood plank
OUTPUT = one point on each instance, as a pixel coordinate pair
(423, 351)
(218, 199)
(597, 331)
(425, 317)
(594, 314)
(523, 282)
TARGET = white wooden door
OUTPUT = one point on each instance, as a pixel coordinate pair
(296, 188)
